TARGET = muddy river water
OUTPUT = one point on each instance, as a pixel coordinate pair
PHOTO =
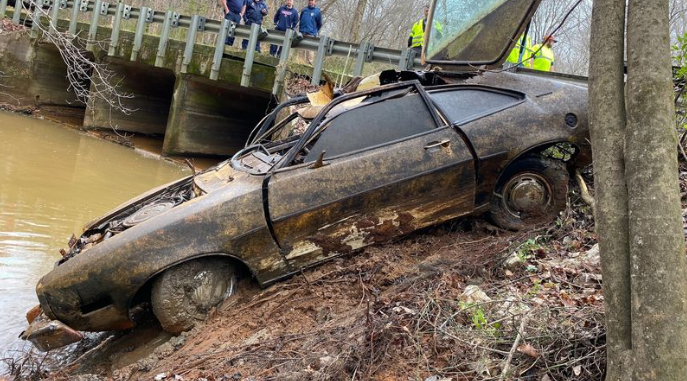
(54, 179)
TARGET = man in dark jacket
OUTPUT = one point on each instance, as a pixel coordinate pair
(311, 20)
(285, 18)
(233, 11)
(255, 11)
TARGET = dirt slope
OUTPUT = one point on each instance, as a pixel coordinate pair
(437, 304)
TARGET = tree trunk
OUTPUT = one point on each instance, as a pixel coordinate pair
(657, 245)
(358, 20)
(607, 125)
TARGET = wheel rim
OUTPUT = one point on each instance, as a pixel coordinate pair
(527, 193)
(210, 289)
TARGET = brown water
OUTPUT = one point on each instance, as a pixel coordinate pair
(53, 180)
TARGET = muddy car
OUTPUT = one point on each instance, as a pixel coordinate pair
(317, 181)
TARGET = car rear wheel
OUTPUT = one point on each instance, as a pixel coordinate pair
(183, 295)
(531, 190)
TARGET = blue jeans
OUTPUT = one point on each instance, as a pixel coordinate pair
(236, 18)
(244, 43)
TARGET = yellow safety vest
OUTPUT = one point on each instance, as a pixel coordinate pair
(543, 59)
(417, 34)
(514, 56)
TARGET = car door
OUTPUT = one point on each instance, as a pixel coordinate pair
(390, 167)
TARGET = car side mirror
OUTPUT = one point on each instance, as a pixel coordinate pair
(319, 163)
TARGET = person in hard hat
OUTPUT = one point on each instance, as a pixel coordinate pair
(417, 32)
(543, 55)
(521, 55)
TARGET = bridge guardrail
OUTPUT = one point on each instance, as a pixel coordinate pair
(323, 46)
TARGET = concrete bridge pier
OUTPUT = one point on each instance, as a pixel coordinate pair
(211, 117)
(151, 89)
(33, 74)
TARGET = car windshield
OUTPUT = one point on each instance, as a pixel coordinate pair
(275, 135)
(288, 131)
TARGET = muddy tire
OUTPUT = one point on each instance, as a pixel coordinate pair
(183, 295)
(531, 190)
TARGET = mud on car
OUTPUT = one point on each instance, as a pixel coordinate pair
(383, 157)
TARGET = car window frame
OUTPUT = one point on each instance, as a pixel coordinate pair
(520, 98)
(439, 123)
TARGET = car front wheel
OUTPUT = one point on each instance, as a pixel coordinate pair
(183, 295)
(531, 190)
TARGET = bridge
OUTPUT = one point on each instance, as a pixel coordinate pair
(183, 82)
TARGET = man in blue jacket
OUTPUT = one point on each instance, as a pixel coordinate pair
(285, 18)
(255, 11)
(311, 20)
(233, 11)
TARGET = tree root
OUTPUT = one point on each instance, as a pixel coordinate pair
(584, 191)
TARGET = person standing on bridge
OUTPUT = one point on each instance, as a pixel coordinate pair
(233, 11)
(311, 20)
(543, 55)
(310, 24)
(255, 11)
(285, 18)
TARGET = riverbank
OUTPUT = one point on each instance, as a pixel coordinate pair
(55, 179)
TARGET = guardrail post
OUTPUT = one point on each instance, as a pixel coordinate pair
(93, 29)
(114, 38)
(55, 14)
(406, 60)
(138, 37)
(363, 52)
(281, 68)
(18, 6)
(36, 18)
(164, 36)
(319, 60)
(190, 43)
(250, 54)
(3, 8)
(219, 49)
(75, 17)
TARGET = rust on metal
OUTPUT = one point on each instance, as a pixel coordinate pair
(369, 167)
(48, 334)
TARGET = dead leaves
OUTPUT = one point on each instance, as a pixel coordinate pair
(528, 350)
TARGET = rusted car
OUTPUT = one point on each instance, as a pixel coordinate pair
(316, 182)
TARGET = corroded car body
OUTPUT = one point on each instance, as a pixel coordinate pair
(416, 150)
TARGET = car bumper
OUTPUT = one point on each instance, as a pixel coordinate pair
(46, 334)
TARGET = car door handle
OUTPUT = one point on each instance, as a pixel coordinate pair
(443, 143)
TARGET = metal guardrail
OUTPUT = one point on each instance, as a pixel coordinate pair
(323, 46)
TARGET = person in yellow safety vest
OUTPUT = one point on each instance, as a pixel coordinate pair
(543, 55)
(514, 57)
(417, 33)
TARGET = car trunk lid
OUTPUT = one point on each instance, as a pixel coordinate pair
(468, 34)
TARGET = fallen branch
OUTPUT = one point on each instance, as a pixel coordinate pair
(506, 365)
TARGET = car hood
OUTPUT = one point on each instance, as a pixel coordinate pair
(467, 34)
(157, 202)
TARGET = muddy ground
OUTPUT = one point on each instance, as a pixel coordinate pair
(461, 301)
